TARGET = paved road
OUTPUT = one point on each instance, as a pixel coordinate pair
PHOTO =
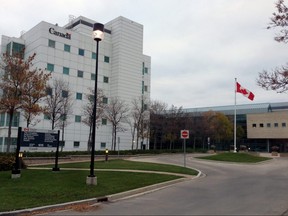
(223, 189)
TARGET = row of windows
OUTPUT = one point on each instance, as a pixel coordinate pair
(78, 119)
(81, 52)
(15, 122)
(76, 144)
(79, 96)
(269, 125)
(66, 71)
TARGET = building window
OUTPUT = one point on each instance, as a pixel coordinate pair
(91, 97)
(2, 119)
(46, 117)
(146, 70)
(276, 125)
(143, 68)
(104, 121)
(81, 52)
(17, 49)
(106, 59)
(103, 145)
(268, 125)
(253, 125)
(105, 100)
(142, 87)
(15, 120)
(106, 79)
(93, 76)
(66, 70)
(80, 73)
(50, 67)
(77, 118)
(79, 96)
(51, 43)
(261, 125)
(145, 88)
(93, 55)
(76, 144)
(49, 91)
(64, 94)
(283, 124)
(67, 48)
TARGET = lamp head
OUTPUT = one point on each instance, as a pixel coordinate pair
(98, 31)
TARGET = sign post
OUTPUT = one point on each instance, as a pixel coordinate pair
(184, 136)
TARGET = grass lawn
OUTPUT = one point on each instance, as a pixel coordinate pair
(126, 164)
(236, 157)
(43, 187)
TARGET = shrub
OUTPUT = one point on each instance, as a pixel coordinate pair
(243, 147)
(275, 148)
(7, 162)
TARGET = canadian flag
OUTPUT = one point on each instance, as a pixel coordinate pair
(244, 91)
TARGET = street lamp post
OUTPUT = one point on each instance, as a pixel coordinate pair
(98, 35)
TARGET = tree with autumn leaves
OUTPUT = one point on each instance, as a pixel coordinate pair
(22, 88)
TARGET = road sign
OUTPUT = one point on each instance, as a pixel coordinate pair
(184, 134)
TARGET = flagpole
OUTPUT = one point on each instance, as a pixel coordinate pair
(235, 107)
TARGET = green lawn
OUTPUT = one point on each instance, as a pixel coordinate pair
(133, 165)
(236, 157)
(43, 187)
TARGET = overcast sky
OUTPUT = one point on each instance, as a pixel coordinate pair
(197, 47)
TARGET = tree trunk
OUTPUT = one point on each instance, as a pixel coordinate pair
(62, 137)
(115, 133)
(9, 140)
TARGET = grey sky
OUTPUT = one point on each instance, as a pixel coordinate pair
(197, 47)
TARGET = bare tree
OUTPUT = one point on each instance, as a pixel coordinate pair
(116, 112)
(174, 121)
(157, 113)
(280, 20)
(277, 79)
(140, 120)
(59, 103)
(88, 111)
(17, 75)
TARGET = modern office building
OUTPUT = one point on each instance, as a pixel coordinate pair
(69, 52)
(265, 124)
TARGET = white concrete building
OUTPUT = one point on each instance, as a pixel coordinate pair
(69, 52)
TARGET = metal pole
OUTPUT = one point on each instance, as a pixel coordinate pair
(94, 115)
(184, 152)
(235, 107)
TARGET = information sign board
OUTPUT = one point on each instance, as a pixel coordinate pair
(39, 138)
